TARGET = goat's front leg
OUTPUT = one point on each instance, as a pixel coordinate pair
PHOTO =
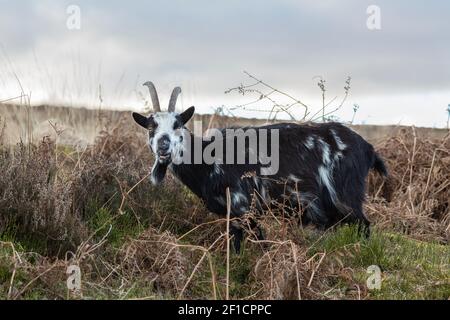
(256, 228)
(237, 233)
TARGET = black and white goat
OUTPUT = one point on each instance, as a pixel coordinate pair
(320, 175)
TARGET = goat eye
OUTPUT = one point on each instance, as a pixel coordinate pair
(176, 125)
(152, 127)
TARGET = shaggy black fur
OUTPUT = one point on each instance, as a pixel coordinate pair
(321, 177)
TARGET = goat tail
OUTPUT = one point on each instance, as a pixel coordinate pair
(379, 166)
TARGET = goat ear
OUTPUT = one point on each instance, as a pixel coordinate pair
(187, 114)
(141, 120)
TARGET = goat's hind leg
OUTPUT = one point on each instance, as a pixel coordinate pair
(360, 219)
(352, 214)
(364, 226)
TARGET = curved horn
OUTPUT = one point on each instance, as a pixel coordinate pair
(154, 95)
(173, 99)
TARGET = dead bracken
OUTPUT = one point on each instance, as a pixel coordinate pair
(95, 208)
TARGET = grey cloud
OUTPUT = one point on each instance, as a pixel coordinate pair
(210, 42)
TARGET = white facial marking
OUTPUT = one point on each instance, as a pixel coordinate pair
(165, 126)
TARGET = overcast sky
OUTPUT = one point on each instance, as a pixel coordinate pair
(400, 73)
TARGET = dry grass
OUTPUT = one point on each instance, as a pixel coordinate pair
(417, 194)
(94, 208)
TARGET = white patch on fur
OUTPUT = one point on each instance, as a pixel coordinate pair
(259, 187)
(325, 152)
(264, 185)
(293, 193)
(242, 209)
(325, 175)
(263, 193)
(309, 143)
(256, 182)
(338, 156)
(218, 170)
(326, 170)
(221, 200)
(294, 178)
(308, 201)
(340, 144)
(238, 197)
(235, 224)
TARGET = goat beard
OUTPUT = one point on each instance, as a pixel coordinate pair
(158, 172)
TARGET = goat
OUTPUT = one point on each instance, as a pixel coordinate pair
(321, 171)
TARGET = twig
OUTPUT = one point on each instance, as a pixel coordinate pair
(315, 269)
(206, 253)
(227, 289)
(294, 253)
(33, 280)
(428, 180)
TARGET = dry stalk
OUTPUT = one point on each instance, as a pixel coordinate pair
(227, 292)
